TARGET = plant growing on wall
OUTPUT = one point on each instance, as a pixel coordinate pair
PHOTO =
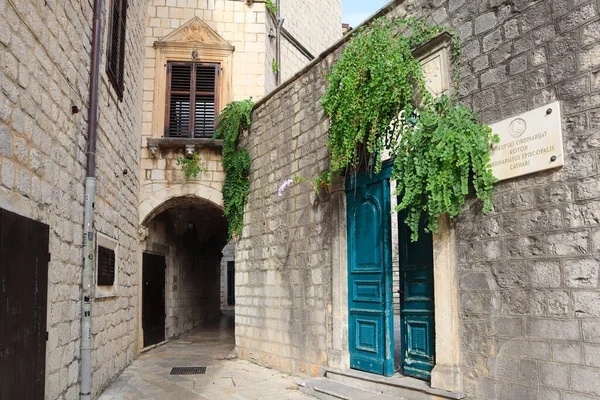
(235, 118)
(274, 66)
(192, 166)
(271, 6)
(377, 102)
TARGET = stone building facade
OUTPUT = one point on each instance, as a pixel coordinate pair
(240, 38)
(516, 290)
(144, 204)
(310, 27)
(45, 57)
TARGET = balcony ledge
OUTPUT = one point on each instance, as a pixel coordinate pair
(189, 144)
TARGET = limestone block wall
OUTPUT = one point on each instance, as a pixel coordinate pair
(45, 58)
(242, 26)
(316, 24)
(528, 271)
(163, 179)
(292, 60)
(228, 256)
(283, 260)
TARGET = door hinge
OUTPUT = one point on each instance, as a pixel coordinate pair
(49, 257)
(46, 336)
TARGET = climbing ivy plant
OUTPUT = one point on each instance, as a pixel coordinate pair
(271, 6)
(235, 118)
(378, 103)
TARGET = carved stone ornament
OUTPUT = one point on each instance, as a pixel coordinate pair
(153, 149)
(143, 233)
(190, 149)
(195, 54)
(194, 33)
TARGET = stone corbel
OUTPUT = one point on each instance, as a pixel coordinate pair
(143, 233)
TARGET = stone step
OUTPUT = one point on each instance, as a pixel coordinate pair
(326, 389)
(397, 386)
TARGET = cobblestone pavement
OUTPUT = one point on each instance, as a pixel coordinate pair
(226, 377)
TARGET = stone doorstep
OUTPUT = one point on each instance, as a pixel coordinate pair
(326, 389)
(397, 385)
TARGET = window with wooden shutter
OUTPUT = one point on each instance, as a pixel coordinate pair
(192, 99)
(115, 65)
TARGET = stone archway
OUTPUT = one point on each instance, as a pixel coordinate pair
(188, 232)
(151, 200)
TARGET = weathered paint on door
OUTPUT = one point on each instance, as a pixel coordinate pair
(153, 299)
(416, 301)
(370, 325)
(23, 302)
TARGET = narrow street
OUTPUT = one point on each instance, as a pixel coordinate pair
(226, 377)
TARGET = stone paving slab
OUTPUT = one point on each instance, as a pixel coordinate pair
(226, 378)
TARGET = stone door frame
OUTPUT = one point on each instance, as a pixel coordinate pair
(446, 375)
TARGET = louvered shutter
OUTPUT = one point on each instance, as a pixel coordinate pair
(205, 107)
(115, 66)
(106, 266)
(179, 105)
(192, 99)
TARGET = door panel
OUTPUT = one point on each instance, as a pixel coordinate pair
(153, 299)
(416, 302)
(23, 302)
(230, 283)
(370, 273)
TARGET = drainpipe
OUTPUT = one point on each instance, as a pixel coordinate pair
(280, 22)
(88, 219)
(278, 43)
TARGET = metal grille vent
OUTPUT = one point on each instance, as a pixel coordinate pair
(188, 371)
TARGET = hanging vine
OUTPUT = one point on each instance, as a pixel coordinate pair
(377, 103)
(235, 118)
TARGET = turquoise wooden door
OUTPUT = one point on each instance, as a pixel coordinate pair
(370, 325)
(416, 302)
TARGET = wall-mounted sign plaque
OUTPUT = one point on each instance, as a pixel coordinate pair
(529, 142)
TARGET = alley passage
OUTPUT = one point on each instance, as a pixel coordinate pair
(226, 378)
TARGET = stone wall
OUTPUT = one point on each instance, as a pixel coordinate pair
(228, 256)
(316, 24)
(528, 271)
(283, 260)
(244, 76)
(45, 57)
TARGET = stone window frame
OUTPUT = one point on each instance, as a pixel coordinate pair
(188, 51)
(102, 291)
(192, 96)
(446, 375)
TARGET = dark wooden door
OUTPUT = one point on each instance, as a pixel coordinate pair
(230, 283)
(23, 298)
(370, 329)
(417, 321)
(153, 299)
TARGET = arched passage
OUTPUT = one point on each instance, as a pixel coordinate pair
(181, 267)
